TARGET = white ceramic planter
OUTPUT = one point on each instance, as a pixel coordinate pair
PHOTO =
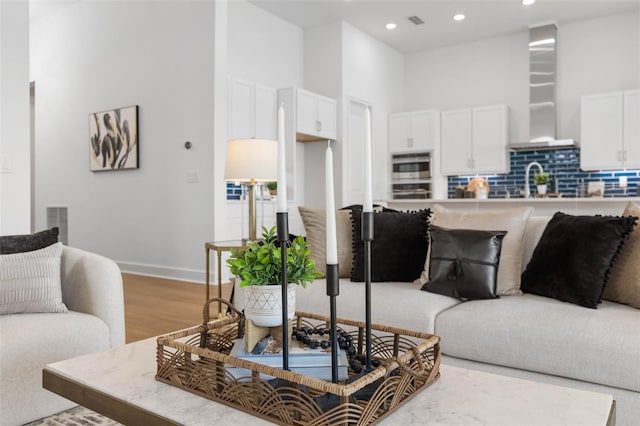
(263, 304)
(542, 189)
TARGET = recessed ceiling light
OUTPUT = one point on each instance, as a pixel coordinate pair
(391, 26)
(458, 17)
(528, 2)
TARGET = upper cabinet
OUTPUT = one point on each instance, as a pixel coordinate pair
(610, 131)
(414, 131)
(252, 110)
(474, 140)
(317, 116)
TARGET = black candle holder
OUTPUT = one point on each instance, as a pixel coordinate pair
(333, 290)
(282, 223)
(367, 237)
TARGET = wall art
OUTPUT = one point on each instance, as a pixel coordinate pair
(113, 139)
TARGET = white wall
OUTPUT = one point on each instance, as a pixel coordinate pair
(593, 56)
(15, 169)
(485, 72)
(322, 75)
(343, 62)
(268, 50)
(264, 48)
(171, 58)
(372, 72)
(93, 56)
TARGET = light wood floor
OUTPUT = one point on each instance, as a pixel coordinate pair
(156, 306)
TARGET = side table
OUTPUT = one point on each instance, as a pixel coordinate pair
(219, 247)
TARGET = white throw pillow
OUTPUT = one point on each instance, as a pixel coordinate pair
(30, 281)
(513, 221)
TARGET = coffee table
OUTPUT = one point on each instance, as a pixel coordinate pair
(120, 383)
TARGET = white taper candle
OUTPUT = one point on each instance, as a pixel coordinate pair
(282, 163)
(367, 205)
(332, 240)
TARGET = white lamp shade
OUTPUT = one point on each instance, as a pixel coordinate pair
(251, 159)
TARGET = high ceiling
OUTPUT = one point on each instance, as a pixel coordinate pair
(484, 18)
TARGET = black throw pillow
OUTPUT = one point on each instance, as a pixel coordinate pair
(574, 257)
(358, 208)
(464, 262)
(398, 249)
(10, 244)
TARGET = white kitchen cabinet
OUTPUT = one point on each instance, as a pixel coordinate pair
(610, 130)
(455, 142)
(308, 117)
(489, 139)
(317, 116)
(474, 141)
(252, 110)
(414, 131)
(631, 129)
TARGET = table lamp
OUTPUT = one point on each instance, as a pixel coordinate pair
(250, 161)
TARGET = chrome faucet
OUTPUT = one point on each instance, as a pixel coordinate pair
(527, 189)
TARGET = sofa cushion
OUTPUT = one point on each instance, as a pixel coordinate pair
(463, 262)
(624, 284)
(30, 281)
(28, 242)
(31, 341)
(396, 304)
(545, 335)
(398, 249)
(574, 257)
(532, 233)
(511, 220)
(314, 221)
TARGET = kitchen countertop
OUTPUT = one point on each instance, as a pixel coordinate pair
(541, 206)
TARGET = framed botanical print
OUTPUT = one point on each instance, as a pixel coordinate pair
(113, 138)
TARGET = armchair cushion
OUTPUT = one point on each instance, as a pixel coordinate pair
(30, 281)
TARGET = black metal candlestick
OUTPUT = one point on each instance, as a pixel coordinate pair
(367, 237)
(333, 290)
(282, 222)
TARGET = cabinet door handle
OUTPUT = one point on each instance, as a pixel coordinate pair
(619, 155)
(410, 142)
(624, 155)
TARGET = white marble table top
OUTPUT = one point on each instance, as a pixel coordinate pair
(459, 397)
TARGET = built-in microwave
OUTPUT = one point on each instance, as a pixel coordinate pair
(411, 166)
(411, 176)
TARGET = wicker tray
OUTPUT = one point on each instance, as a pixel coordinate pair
(194, 360)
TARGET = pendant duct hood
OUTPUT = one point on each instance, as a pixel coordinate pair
(542, 91)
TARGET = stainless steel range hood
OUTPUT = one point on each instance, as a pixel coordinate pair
(542, 91)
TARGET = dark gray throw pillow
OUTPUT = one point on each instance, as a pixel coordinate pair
(464, 262)
(399, 247)
(10, 244)
(574, 257)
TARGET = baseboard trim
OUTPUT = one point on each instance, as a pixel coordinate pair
(174, 273)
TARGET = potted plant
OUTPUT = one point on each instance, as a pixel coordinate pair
(258, 266)
(273, 188)
(541, 180)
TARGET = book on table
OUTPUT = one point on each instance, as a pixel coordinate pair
(303, 360)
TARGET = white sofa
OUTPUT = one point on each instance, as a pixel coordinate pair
(529, 336)
(92, 290)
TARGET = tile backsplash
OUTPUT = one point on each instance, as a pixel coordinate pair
(563, 165)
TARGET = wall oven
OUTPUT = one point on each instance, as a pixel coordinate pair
(411, 176)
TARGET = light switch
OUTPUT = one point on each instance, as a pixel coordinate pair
(193, 176)
(5, 165)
